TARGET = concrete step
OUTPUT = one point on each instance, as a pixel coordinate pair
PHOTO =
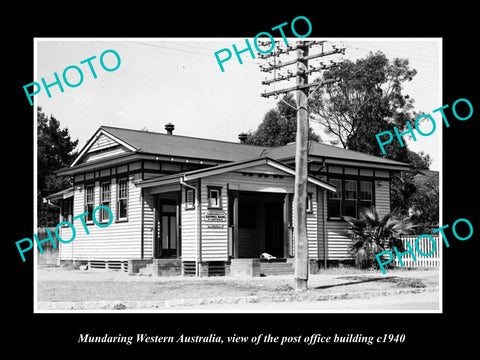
(276, 268)
(276, 265)
(277, 272)
(146, 271)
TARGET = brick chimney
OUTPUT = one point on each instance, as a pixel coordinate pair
(242, 137)
(169, 127)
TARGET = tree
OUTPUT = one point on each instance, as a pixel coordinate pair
(423, 204)
(279, 126)
(368, 99)
(372, 235)
(55, 150)
(403, 185)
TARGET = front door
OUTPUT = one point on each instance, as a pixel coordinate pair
(167, 234)
(274, 229)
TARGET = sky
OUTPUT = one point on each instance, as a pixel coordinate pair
(178, 80)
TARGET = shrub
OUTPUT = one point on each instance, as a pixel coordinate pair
(372, 235)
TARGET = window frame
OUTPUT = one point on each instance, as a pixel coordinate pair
(89, 218)
(125, 218)
(348, 201)
(66, 210)
(341, 196)
(104, 202)
(309, 206)
(360, 199)
(337, 197)
(219, 197)
(189, 206)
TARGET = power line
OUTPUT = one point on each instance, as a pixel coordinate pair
(303, 92)
(171, 48)
(391, 53)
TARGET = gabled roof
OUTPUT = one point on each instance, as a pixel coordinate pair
(232, 166)
(184, 146)
(138, 142)
(146, 142)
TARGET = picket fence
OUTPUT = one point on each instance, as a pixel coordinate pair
(425, 246)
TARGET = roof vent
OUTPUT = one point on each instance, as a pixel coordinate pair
(169, 127)
(243, 137)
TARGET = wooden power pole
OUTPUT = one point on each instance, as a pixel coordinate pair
(301, 172)
(302, 89)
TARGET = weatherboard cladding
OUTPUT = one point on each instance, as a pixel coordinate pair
(125, 240)
(119, 241)
(214, 244)
(148, 224)
(382, 197)
(312, 226)
(339, 240)
(189, 231)
(321, 223)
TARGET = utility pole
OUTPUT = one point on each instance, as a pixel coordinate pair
(301, 173)
(302, 89)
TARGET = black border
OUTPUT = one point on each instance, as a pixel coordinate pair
(426, 333)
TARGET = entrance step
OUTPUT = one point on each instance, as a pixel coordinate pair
(146, 271)
(276, 260)
(276, 268)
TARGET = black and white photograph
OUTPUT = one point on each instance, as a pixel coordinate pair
(180, 195)
(292, 181)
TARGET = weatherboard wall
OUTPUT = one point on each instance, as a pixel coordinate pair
(314, 234)
(121, 240)
(339, 240)
(189, 231)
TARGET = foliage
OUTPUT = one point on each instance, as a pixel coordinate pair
(424, 202)
(367, 100)
(279, 126)
(415, 193)
(372, 235)
(55, 150)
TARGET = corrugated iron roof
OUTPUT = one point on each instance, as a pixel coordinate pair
(185, 146)
(146, 142)
(328, 151)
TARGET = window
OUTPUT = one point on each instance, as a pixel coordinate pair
(67, 210)
(105, 201)
(350, 202)
(335, 200)
(352, 196)
(309, 203)
(89, 201)
(214, 197)
(366, 194)
(122, 199)
(189, 199)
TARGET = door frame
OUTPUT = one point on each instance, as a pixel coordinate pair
(157, 244)
(279, 215)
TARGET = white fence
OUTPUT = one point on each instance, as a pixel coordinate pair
(424, 246)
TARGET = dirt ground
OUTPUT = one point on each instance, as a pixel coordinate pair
(56, 284)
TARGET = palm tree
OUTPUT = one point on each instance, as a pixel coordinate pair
(372, 235)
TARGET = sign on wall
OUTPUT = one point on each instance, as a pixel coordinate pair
(216, 219)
